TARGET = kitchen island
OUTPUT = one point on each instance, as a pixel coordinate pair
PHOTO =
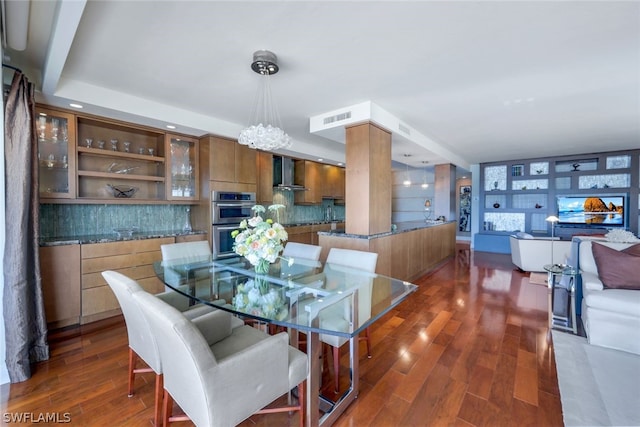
(408, 251)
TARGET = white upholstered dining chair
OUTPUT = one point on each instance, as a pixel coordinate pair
(302, 250)
(192, 252)
(302, 257)
(141, 341)
(221, 375)
(361, 260)
(197, 251)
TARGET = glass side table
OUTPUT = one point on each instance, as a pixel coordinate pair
(562, 290)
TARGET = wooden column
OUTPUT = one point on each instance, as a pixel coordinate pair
(445, 191)
(368, 180)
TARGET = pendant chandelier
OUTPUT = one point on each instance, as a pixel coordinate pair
(265, 131)
(407, 177)
(424, 181)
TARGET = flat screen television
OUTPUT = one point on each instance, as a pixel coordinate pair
(592, 211)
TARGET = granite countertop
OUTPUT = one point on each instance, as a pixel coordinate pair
(114, 237)
(401, 227)
(296, 224)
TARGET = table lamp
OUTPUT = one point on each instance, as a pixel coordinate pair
(552, 219)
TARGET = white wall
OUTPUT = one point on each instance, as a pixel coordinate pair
(407, 203)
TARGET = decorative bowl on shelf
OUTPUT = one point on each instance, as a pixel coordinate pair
(122, 191)
(125, 231)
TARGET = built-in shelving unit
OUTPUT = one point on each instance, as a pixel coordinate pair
(87, 159)
(519, 195)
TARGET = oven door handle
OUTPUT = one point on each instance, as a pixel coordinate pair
(233, 205)
(225, 227)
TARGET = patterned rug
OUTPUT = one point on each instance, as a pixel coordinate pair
(538, 279)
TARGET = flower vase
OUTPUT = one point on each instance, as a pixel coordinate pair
(262, 267)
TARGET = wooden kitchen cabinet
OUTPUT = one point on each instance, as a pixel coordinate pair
(56, 132)
(264, 194)
(308, 174)
(300, 234)
(133, 258)
(231, 162)
(315, 228)
(191, 238)
(60, 271)
(182, 168)
(119, 162)
(333, 180)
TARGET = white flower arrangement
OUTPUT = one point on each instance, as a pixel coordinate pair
(621, 236)
(259, 240)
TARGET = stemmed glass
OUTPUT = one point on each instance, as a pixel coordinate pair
(65, 131)
(54, 128)
(42, 125)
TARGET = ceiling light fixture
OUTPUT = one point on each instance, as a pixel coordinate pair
(265, 132)
(424, 180)
(171, 127)
(75, 105)
(407, 178)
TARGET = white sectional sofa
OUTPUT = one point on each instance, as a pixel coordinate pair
(532, 253)
(611, 317)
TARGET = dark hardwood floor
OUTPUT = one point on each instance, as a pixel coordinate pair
(470, 348)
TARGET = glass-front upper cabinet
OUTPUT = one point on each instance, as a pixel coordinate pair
(56, 133)
(182, 168)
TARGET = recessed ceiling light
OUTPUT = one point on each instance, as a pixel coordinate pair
(321, 160)
(340, 164)
(75, 105)
(171, 127)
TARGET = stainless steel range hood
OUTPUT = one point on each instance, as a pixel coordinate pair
(283, 173)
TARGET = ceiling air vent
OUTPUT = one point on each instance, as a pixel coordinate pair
(337, 118)
(404, 129)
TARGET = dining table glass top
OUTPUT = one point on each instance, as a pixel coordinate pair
(295, 293)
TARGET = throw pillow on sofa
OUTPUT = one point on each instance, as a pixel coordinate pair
(618, 269)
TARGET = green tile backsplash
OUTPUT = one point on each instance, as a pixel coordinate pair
(63, 220)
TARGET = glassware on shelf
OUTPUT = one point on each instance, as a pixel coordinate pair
(141, 150)
(55, 123)
(51, 160)
(65, 131)
(88, 142)
(42, 125)
(151, 150)
(101, 144)
(127, 146)
(114, 145)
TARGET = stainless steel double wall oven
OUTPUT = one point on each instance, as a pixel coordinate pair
(228, 209)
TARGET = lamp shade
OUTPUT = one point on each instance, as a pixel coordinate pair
(552, 218)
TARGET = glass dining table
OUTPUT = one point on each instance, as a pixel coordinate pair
(301, 296)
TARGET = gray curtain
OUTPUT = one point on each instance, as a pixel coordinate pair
(24, 317)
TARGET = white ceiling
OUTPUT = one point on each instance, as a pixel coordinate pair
(476, 81)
